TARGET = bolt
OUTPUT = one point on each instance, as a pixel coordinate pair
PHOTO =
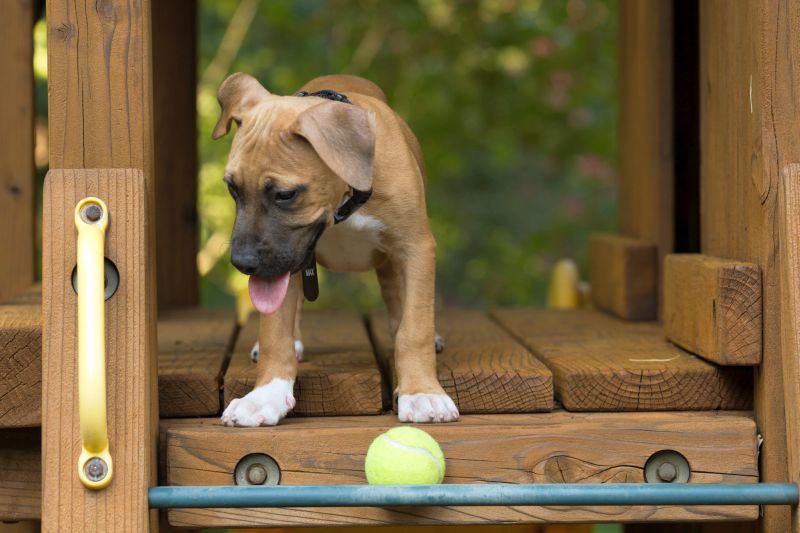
(256, 474)
(96, 469)
(667, 472)
(92, 212)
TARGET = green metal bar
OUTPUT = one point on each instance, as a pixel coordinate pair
(475, 494)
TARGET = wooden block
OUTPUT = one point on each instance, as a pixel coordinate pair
(338, 374)
(712, 307)
(20, 361)
(555, 447)
(482, 368)
(130, 323)
(20, 474)
(17, 172)
(192, 346)
(623, 274)
(601, 363)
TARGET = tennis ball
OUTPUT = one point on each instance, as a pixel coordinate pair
(404, 455)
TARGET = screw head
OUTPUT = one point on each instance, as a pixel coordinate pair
(256, 474)
(96, 469)
(667, 472)
(92, 212)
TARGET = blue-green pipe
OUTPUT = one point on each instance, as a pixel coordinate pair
(475, 494)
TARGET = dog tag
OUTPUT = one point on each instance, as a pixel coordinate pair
(310, 281)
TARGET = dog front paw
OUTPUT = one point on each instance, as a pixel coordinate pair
(263, 406)
(298, 351)
(426, 407)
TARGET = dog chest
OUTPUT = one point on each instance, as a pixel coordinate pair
(351, 245)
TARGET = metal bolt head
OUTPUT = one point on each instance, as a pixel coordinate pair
(92, 212)
(96, 469)
(667, 472)
(256, 474)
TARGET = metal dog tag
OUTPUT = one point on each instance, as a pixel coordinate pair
(310, 281)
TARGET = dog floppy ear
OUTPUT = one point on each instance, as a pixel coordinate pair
(343, 136)
(237, 94)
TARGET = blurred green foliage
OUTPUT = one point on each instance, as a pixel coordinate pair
(513, 101)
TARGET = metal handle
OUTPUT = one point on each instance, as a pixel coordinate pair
(94, 465)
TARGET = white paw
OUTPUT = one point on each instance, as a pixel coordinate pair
(425, 407)
(298, 351)
(263, 406)
(439, 343)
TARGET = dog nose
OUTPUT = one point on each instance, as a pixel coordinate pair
(246, 263)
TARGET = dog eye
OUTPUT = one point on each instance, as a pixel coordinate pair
(285, 196)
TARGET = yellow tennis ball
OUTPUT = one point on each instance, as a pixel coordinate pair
(404, 455)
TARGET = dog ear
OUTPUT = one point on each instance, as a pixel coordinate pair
(343, 136)
(237, 94)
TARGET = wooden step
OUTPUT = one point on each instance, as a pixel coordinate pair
(602, 363)
(482, 368)
(193, 344)
(552, 447)
(338, 374)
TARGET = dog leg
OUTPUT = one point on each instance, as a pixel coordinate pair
(420, 396)
(299, 348)
(273, 396)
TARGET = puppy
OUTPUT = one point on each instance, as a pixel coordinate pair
(298, 166)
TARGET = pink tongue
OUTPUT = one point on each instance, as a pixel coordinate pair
(268, 294)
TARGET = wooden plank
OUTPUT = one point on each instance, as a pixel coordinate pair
(623, 275)
(482, 368)
(20, 361)
(646, 139)
(20, 474)
(192, 346)
(555, 447)
(17, 172)
(130, 359)
(789, 215)
(601, 363)
(175, 147)
(749, 76)
(712, 307)
(338, 374)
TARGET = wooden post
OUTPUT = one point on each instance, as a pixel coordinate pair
(749, 78)
(17, 173)
(130, 328)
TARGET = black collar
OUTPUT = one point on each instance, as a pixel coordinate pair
(358, 198)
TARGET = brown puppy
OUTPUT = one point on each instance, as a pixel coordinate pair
(293, 162)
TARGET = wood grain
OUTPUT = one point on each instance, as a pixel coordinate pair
(712, 307)
(749, 76)
(601, 363)
(482, 368)
(175, 151)
(646, 141)
(555, 447)
(623, 275)
(17, 172)
(20, 365)
(20, 474)
(338, 374)
(789, 215)
(131, 364)
(192, 346)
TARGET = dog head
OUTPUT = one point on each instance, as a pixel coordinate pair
(291, 163)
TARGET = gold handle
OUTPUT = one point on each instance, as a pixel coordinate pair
(94, 465)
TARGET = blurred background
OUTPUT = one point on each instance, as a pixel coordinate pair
(513, 102)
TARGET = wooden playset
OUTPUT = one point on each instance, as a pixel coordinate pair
(685, 369)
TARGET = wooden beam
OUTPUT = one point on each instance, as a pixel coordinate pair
(749, 75)
(554, 447)
(130, 371)
(623, 275)
(482, 367)
(601, 363)
(175, 147)
(17, 172)
(712, 307)
(646, 144)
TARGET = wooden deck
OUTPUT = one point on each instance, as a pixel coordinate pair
(542, 394)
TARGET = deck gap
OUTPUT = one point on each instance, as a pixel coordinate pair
(386, 393)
